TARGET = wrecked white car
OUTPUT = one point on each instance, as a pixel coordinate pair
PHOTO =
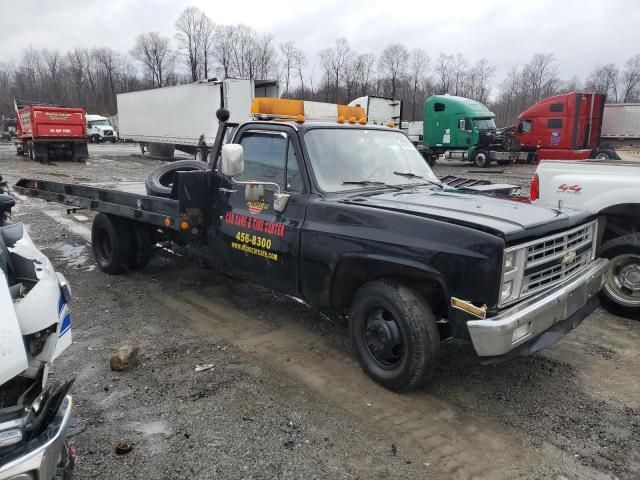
(35, 328)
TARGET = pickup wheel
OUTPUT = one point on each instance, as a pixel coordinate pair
(481, 159)
(394, 335)
(621, 292)
(111, 239)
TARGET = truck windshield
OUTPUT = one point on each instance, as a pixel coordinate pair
(484, 123)
(346, 159)
(104, 123)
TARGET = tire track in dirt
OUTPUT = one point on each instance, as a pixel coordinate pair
(453, 443)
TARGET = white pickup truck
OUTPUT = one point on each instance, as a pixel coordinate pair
(611, 189)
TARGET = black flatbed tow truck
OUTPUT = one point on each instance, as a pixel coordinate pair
(350, 217)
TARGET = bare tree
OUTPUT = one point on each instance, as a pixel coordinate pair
(631, 79)
(154, 52)
(288, 51)
(190, 39)
(604, 79)
(459, 71)
(393, 65)
(299, 62)
(109, 61)
(224, 37)
(541, 73)
(418, 67)
(444, 72)
(334, 61)
(207, 33)
(479, 78)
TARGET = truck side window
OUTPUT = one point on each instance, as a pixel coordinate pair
(264, 156)
(267, 155)
(461, 124)
(554, 123)
(438, 107)
(525, 126)
(556, 107)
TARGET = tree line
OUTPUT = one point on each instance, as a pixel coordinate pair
(200, 49)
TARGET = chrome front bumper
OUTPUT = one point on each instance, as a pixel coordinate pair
(522, 323)
(45, 453)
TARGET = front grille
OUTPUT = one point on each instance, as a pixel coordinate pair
(556, 258)
(108, 133)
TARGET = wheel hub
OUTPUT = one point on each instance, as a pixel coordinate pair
(383, 338)
(623, 280)
(629, 276)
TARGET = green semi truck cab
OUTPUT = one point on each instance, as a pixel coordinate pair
(458, 128)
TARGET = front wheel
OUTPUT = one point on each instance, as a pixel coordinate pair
(394, 334)
(621, 292)
(481, 159)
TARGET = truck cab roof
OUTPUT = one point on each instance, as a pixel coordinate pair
(453, 104)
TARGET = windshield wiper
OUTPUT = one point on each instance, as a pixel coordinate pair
(413, 175)
(369, 183)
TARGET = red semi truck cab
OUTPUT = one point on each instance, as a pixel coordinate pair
(46, 131)
(563, 127)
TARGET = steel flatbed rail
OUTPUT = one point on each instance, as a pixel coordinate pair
(128, 200)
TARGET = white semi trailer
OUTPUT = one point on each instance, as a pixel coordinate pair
(184, 117)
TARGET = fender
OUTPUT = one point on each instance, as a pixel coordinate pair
(376, 266)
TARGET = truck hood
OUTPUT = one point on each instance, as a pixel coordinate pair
(514, 220)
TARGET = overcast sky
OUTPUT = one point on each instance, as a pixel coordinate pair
(579, 33)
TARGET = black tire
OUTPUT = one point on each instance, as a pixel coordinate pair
(113, 140)
(621, 293)
(200, 155)
(605, 154)
(111, 240)
(481, 159)
(160, 181)
(412, 361)
(141, 246)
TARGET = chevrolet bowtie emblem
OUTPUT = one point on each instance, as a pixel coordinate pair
(569, 258)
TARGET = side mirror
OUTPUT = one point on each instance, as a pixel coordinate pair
(232, 159)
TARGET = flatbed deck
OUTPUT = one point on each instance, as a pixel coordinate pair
(124, 199)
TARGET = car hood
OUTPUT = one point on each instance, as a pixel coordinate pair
(513, 220)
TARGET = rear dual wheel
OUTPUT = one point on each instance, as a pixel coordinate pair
(120, 245)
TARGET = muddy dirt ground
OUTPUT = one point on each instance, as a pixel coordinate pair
(286, 399)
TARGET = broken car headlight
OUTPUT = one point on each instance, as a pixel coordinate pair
(513, 263)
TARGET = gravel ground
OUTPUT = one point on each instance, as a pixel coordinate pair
(286, 399)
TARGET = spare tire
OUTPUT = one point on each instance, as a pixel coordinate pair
(160, 181)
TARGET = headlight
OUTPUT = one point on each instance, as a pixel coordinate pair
(513, 263)
(509, 261)
(65, 288)
(507, 290)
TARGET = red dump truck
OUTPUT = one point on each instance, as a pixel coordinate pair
(51, 131)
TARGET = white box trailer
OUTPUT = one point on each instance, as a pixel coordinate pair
(621, 123)
(183, 117)
(379, 110)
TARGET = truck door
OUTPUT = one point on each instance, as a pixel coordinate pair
(252, 239)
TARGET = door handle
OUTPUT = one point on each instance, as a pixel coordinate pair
(227, 190)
